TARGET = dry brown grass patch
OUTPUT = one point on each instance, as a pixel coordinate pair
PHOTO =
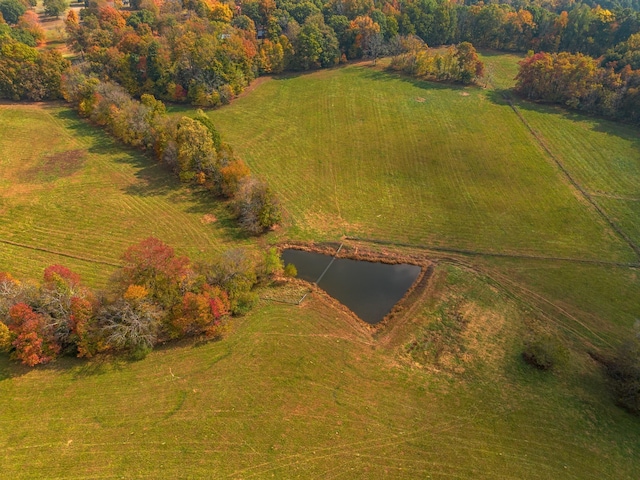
(61, 164)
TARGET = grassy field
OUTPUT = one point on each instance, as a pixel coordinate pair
(305, 391)
(601, 155)
(356, 151)
(68, 188)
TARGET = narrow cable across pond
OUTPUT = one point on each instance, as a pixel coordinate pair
(330, 263)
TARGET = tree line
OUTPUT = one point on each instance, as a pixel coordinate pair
(155, 297)
(205, 52)
(191, 147)
(581, 82)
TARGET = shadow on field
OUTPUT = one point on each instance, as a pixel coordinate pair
(598, 124)
(375, 74)
(153, 179)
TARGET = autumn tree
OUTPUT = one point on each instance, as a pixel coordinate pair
(470, 65)
(256, 206)
(154, 265)
(6, 338)
(34, 342)
(30, 24)
(232, 176)
(200, 312)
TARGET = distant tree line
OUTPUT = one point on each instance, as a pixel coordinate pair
(191, 147)
(580, 82)
(205, 52)
(155, 297)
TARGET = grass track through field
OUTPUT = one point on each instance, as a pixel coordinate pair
(60, 254)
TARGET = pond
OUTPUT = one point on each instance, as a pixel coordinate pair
(368, 289)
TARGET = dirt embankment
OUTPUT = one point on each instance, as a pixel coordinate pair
(403, 309)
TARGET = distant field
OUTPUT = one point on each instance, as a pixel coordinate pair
(357, 151)
(302, 392)
(67, 187)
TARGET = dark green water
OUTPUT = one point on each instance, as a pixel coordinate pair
(368, 289)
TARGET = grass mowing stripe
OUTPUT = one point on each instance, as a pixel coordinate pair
(96, 204)
(378, 148)
(621, 233)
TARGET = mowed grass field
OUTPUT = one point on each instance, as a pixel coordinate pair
(66, 187)
(361, 152)
(303, 392)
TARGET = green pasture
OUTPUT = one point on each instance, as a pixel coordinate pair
(303, 392)
(361, 152)
(306, 391)
(66, 187)
(603, 156)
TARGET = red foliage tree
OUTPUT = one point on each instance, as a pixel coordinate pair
(153, 264)
(200, 312)
(55, 273)
(33, 344)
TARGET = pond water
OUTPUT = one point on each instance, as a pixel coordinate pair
(368, 289)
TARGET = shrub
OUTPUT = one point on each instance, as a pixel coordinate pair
(543, 352)
(624, 372)
(290, 270)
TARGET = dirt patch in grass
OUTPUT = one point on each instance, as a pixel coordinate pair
(208, 218)
(61, 164)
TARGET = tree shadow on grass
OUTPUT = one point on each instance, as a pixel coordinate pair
(153, 178)
(374, 73)
(600, 124)
(79, 367)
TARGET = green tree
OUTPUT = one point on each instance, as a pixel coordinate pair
(55, 8)
(196, 151)
(12, 10)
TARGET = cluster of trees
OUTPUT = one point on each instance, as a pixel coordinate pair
(198, 59)
(27, 73)
(191, 147)
(155, 297)
(459, 63)
(579, 82)
(206, 51)
(11, 11)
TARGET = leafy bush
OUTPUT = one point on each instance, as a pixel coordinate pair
(624, 372)
(290, 270)
(543, 352)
